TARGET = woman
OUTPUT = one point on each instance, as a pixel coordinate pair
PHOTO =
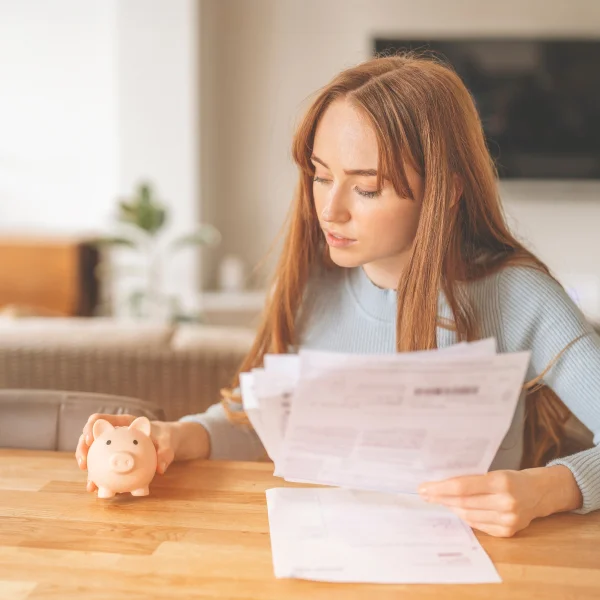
(397, 242)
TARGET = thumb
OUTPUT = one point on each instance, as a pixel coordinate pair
(165, 456)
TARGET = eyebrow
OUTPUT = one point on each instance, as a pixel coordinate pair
(361, 172)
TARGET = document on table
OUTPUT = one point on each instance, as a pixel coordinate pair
(355, 536)
(389, 426)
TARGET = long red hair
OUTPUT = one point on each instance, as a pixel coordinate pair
(420, 112)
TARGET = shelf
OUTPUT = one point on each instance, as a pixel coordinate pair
(248, 300)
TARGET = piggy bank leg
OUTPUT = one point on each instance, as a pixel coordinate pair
(140, 492)
(105, 493)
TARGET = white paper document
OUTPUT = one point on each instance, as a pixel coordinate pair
(274, 391)
(376, 427)
(390, 426)
(267, 393)
(355, 536)
(251, 406)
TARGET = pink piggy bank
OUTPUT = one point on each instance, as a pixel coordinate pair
(122, 459)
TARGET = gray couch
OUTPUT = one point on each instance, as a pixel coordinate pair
(46, 420)
(179, 369)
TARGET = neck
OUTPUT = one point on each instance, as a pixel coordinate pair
(386, 273)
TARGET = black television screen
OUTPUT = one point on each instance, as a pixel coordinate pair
(539, 100)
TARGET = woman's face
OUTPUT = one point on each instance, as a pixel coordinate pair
(363, 225)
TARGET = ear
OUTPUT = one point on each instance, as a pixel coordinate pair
(142, 424)
(100, 426)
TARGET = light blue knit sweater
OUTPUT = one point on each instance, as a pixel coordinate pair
(521, 307)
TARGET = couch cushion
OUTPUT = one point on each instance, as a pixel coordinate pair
(83, 332)
(228, 339)
(53, 420)
(27, 425)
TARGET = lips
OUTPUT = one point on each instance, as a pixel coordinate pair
(339, 236)
(336, 241)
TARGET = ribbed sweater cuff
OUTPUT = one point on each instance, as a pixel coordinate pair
(584, 466)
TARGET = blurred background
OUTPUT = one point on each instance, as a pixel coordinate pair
(145, 164)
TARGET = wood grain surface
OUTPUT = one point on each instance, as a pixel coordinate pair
(203, 533)
(40, 275)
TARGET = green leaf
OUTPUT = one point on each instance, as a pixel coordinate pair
(115, 241)
(205, 235)
(143, 210)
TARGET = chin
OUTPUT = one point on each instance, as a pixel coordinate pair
(345, 259)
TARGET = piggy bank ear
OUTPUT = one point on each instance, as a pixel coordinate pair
(100, 426)
(142, 424)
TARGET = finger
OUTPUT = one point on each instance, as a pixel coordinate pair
(479, 517)
(457, 486)
(467, 485)
(494, 530)
(91, 486)
(88, 435)
(164, 456)
(81, 452)
(116, 420)
(495, 502)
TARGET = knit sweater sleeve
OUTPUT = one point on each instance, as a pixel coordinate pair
(228, 440)
(538, 315)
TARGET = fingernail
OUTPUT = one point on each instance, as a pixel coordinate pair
(88, 439)
(80, 461)
(163, 467)
(423, 490)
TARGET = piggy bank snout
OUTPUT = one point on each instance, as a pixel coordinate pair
(122, 462)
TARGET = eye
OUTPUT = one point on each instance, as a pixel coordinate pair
(367, 194)
(320, 180)
(135, 442)
(108, 442)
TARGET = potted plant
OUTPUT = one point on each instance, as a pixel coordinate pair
(141, 219)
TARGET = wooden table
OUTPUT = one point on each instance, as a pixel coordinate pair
(203, 533)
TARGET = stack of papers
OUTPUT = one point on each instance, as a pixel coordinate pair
(381, 424)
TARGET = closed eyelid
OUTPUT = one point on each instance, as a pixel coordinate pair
(354, 177)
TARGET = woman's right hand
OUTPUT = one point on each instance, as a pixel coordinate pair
(161, 435)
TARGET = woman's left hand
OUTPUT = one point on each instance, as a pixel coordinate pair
(501, 503)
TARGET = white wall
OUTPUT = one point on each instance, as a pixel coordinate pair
(58, 107)
(96, 95)
(272, 54)
(158, 117)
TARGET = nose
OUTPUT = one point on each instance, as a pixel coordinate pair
(122, 462)
(335, 210)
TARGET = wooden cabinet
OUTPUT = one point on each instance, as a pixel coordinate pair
(48, 276)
